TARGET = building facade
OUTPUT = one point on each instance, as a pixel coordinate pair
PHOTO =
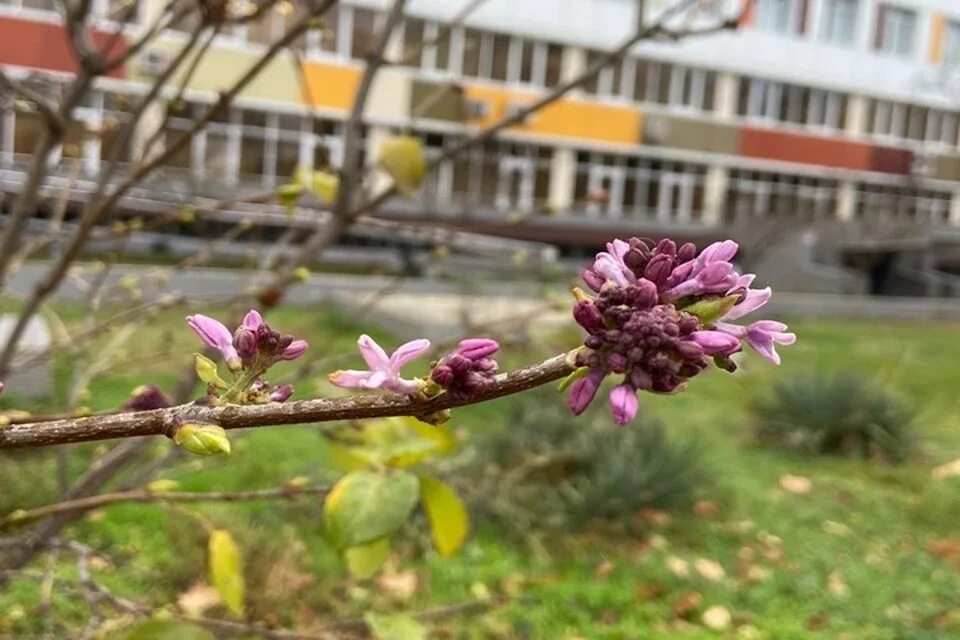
(833, 110)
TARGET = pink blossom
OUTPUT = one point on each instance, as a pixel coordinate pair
(384, 372)
(294, 350)
(624, 403)
(216, 335)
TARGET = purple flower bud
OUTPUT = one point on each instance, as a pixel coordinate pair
(588, 316)
(294, 350)
(593, 280)
(686, 252)
(477, 348)
(645, 293)
(617, 362)
(666, 247)
(245, 342)
(624, 404)
(640, 379)
(583, 391)
(658, 269)
(636, 261)
(689, 350)
(442, 375)
(144, 398)
(281, 393)
(716, 343)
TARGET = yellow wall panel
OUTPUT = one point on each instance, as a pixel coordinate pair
(221, 67)
(938, 32)
(568, 117)
(331, 86)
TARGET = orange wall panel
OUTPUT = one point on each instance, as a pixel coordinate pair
(805, 149)
(567, 117)
(44, 45)
(331, 86)
(938, 32)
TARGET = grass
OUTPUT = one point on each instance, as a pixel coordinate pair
(850, 559)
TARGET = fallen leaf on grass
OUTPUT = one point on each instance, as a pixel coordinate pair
(603, 570)
(401, 585)
(948, 470)
(709, 569)
(797, 485)
(717, 618)
(655, 517)
(836, 528)
(198, 599)
(678, 567)
(944, 548)
(686, 605)
(837, 585)
(706, 508)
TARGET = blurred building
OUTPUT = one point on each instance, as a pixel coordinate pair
(840, 111)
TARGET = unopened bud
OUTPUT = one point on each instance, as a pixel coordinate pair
(477, 348)
(245, 342)
(202, 439)
(281, 393)
(659, 268)
(588, 316)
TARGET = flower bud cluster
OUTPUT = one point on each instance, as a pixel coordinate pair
(469, 369)
(661, 312)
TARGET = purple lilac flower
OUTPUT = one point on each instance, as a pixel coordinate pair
(253, 343)
(384, 372)
(469, 369)
(216, 335)
(281, 393)
(644, 326)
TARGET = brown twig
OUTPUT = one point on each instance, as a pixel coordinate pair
(145, 495)
(166, 421)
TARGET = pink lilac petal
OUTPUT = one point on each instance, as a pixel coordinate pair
(408, 352)
(349, 378)
(618, 248)
(375, 380)
(745, 280)
(764, 335)
(477, 348)
(754, 299)
(252, 320)
(294, 350)
(716, 252)
(583, 391)
(624, 404)
(211, 331)
(716, 343)
(611, 269)
(373, 354)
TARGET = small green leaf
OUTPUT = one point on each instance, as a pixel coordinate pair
(573, 377)
(207, 371)
(448, 517)
(163, 485)
(709, 311)
(226, 570)
(365, 560)
(402, 157)
(202, 439)
(397, 627)
(364, 506)
(157, 629)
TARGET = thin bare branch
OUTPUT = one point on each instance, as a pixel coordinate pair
(166, 421)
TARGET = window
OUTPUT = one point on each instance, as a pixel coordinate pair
(896, 31)
(951, 48)
(779, 16)
(363, 33)
(760, 193)
(839, 21)
(779, 102)
(913, 122)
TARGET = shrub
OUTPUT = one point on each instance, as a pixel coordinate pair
(551, 470)
(838, 414)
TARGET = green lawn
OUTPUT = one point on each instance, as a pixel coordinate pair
(849, 559)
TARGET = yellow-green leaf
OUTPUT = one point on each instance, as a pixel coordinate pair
(226, 570)
(402, 157)
(364, 506)
(163, 485)
(322, 184)
(365, 560)
(396, 627)
(207, 371)
(448, 518)
(158, 629)
(346, 458)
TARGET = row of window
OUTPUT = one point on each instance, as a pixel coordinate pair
(896, 29)
(912, 122)
(772, 101)
(250, 145)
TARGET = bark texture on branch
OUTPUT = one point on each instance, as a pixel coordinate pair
(370, 405)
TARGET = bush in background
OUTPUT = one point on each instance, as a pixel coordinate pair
(550, 470)
(839, 414)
